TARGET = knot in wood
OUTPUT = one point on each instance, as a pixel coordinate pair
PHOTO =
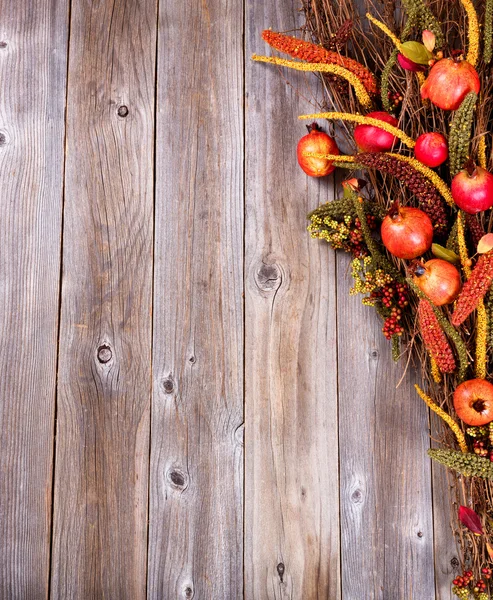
(122, 111)
(280, 570)
(168, 385)
(188, 592)
(3, 45)
(455, 562)
(268, 277)
(357, 497)
(177, 478)
(374, 354)
(104, 354)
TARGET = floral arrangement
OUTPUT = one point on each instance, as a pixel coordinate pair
(411, 90)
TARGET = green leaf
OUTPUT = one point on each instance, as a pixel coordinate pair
(444, 254)
(416, 52)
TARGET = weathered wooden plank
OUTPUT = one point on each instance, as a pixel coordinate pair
(102, 450)
(386, 504)
(446, 555)
(292, 503)
(33, 50)
(196, 517)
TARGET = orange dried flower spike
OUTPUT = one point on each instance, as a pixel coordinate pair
(474, 289)
(434, 338)
(316, 54)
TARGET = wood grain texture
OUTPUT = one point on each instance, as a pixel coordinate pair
(386, 502)
(292, 545)
(33, 51)
(196, 514)
(447, 564)
(102, 450)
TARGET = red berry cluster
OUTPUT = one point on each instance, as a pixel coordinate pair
(391, 325)
(486, 572)
(394, 297)
(482, 445)
(479, 586)
(356, 238)
(392, 294)
(480, 448)
(464, 580)
(395, 98)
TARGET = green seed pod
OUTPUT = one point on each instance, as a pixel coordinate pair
(425, 19)
(468, 464)
(460, 133)
(488, 31)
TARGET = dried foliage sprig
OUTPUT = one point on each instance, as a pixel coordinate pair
(461, 242)
(434, 338)
(461, 439)
(460, 133)
(409, 172)
(488, 31)
(474, 289)
(339, 116)
(359, 89)
(316, 54)
(473, 32)
(425, 18)
(451, 333)
(476, 230)
(481, 341)
(467, 464)
(482, 160)
(341, 36)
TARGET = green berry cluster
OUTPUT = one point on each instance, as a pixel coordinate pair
(467, 464)
(338, 224)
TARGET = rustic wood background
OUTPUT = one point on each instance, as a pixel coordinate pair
(191, 406)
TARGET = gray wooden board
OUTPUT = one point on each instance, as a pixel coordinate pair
(386, 500)
(33, 52)
(102, 445)
(446, 551)
(196, 510)
(291, 494)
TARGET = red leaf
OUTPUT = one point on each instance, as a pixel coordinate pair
(470, 519)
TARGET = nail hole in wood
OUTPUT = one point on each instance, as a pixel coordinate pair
(104, 354)
(177, 478)
(280, 571)
(3, 44)
(420, 534)
(192, 360)
(168, 385)
(3, 138)
(122, 111)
